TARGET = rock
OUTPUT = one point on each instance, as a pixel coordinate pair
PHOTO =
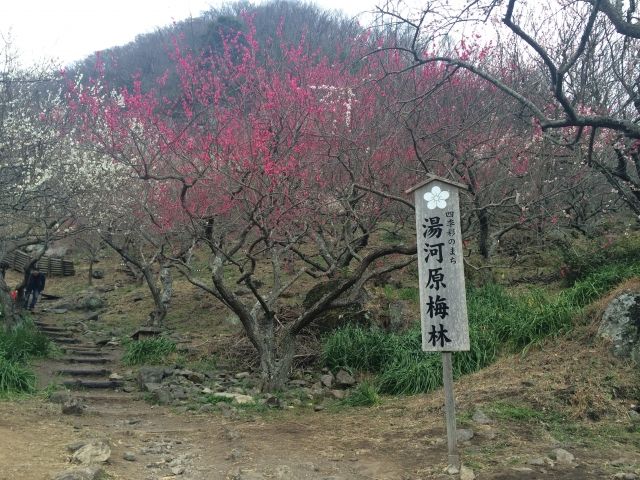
(561, 456)
(92, 317)
(327, 380)
(464, 434)
(481, 418)
(97, 451)
(91, 302)
(452, 470)
(116, 376)
(72, 447)
(466, 473)
(345, 379)
(626, 476)
(178, 470)
(163, 396)
(318, 408)
(235, 454)
(151, 387)
(98, 274)
(86, 473)
(207, 408)
(273, 402)
(537, 461)
(243, 474)
(621, 325)
(242, 375)
(73, 406)
(238, 398)
(129, 456)
(337, 394)
(150, 375)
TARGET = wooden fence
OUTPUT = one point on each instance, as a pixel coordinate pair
(51, 266)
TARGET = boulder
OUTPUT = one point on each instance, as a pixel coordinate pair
(345, 379)
(97, 451)
(150, 375)
(621, 325)
(97, 274)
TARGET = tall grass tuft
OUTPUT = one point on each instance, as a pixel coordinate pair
(148, 351)
(15, 378)
(23, 342)
(364, 395)
(498, 323)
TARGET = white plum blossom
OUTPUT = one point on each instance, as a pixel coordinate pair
(436, 198)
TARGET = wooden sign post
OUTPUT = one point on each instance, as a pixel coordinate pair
(443, 300)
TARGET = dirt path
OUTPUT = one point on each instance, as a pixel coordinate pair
(403, 439)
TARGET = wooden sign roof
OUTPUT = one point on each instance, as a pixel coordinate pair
(432, 178)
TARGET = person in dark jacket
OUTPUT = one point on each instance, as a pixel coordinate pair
(33, 289)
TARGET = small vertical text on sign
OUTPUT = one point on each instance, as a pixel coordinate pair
(443, 301)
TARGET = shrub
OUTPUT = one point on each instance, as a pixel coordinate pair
(587, 257)
(148, 351)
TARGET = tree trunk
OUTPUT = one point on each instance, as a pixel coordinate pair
(484, 240)
(156, 318)
(275, 363)
(8, 306)
(90, 278)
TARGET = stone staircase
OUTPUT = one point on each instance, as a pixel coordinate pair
(84, 366)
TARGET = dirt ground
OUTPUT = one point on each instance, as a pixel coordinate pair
(545, 399)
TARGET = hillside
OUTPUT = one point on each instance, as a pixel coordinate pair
(568, 392)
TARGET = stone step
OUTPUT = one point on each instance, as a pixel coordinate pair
(91, 360)
(57, 333)
(101, 397)
(86, 353)
(65, 340)
(80, 383)
(52, 329)
(84, 372)
(84, 346)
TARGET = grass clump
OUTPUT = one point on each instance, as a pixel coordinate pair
(15, 378)
(23, 342)
(148, 351)
(17, 347)
(364, 395)
(498, 323)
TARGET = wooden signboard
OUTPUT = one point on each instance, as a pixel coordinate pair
(443, 300)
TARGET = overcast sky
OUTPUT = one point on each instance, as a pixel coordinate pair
(69, 30)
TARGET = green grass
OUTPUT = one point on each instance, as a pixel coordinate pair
(23, 342)
(17, 347)
(364, 395)
(15, 378)
(149, 351)
(499, 323)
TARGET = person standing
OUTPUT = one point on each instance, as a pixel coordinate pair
(33, 289)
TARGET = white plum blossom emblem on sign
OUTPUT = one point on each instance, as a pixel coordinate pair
(436, 198)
